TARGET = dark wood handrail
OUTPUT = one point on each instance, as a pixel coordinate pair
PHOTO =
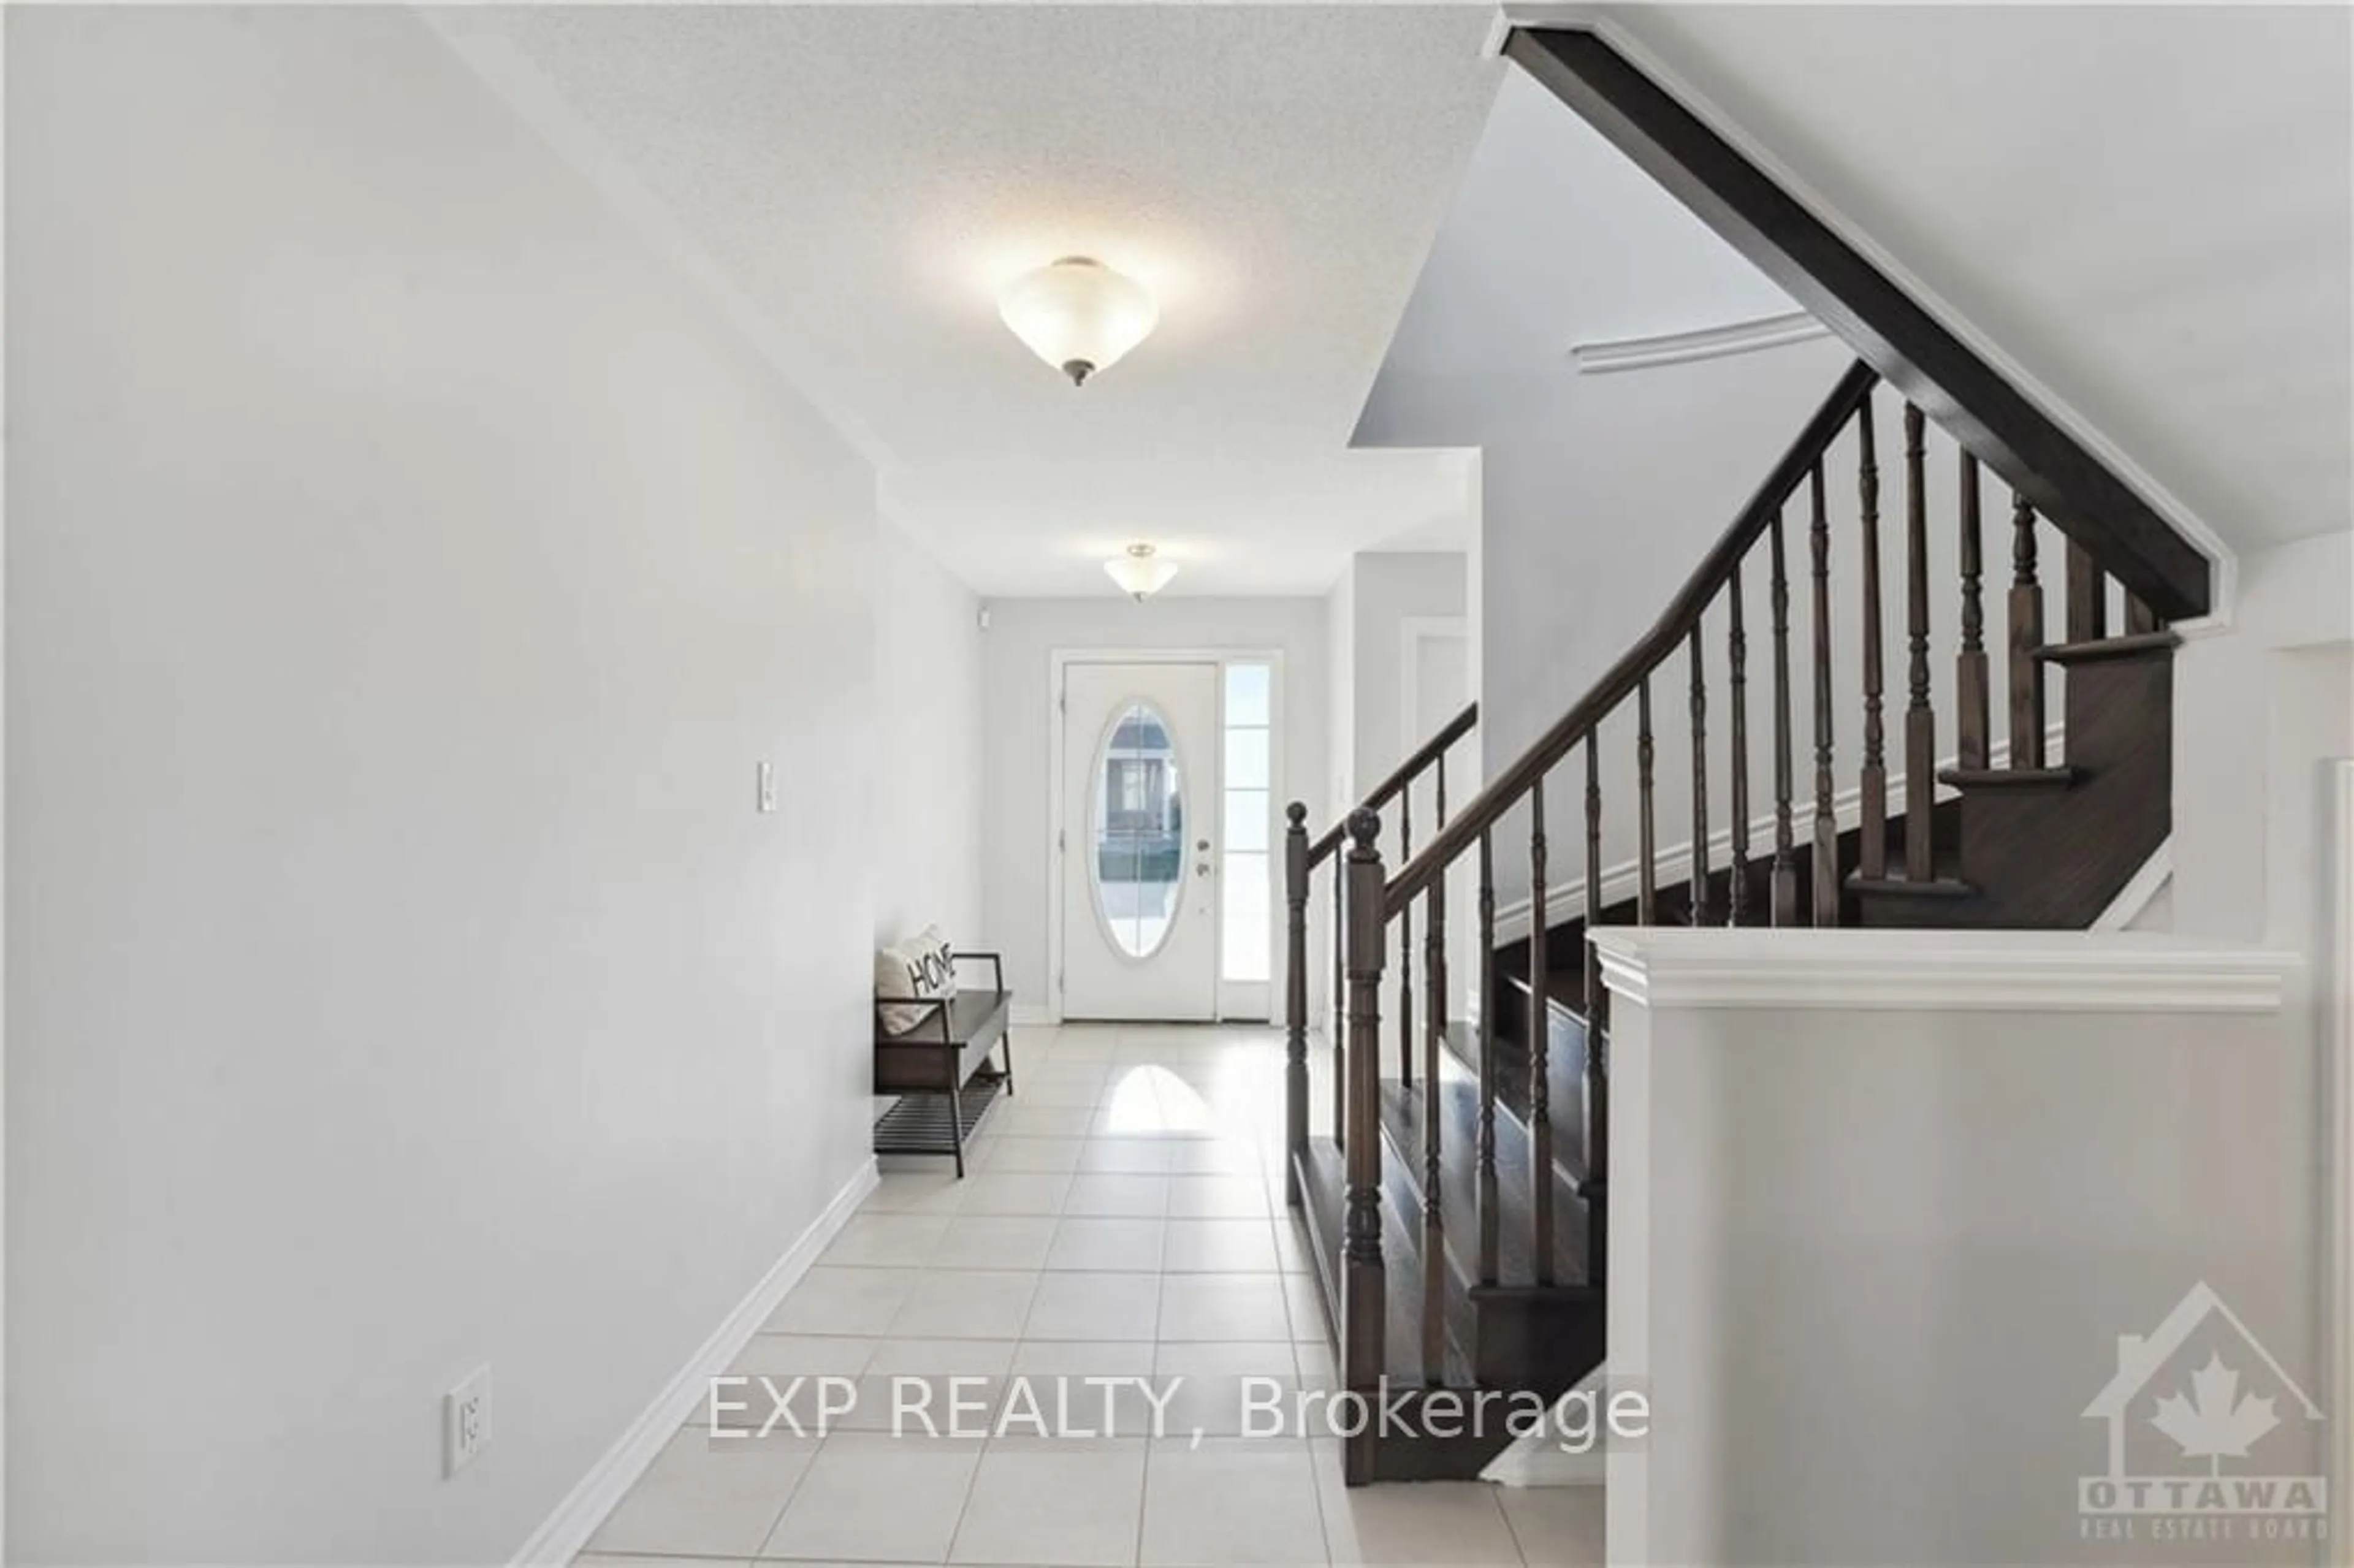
(1405, 773)
(1667, 637)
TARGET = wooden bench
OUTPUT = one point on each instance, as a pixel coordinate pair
(939, 1066)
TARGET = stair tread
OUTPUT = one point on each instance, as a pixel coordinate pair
(1565, 1059)
(2008, 778)
(2109, 647)
(1323, 1189)
(1402, 1121)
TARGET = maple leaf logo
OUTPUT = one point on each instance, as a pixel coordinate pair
(2215, 1422)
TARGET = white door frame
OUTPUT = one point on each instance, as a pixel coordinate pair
(1413, 631)
(1057, 660)
(2336, 984)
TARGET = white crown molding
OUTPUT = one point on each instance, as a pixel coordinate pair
(1606, 23)
(1971, 971)
(563, 1532)
(1671, 866)
(1610, 356)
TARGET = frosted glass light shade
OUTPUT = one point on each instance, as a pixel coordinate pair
(1140, 573)
(1078, 315)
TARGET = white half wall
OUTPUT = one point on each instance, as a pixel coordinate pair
(1874, 1337)
(406, 575)
(1024, 634)
(929, 723)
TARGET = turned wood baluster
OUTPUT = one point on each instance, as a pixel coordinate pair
(1597, 1029)
(1737, 658)
(1826, 860)
(1295, 997)
(1647, 884)
(1540, 1042)
(1785, 866)
(1406, 944)
(1973, 718)
(1920, 719)
(2088, 597)
(2026, 637)
(1433, 1250)
(1593, 850)
(1364, 1288)
(1491, 1204)
(1434, 1240)
(1873, 860)
(1698, 913)
(1338, 1021)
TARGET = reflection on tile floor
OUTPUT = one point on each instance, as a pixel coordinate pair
(1124, 1220)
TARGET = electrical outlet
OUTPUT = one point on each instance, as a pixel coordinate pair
(466, 1421)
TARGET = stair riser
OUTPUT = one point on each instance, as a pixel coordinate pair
(1544, 1340)
(2112, 820)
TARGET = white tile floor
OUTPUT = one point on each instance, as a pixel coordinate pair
(1125, 1218)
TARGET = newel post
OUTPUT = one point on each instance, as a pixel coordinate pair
(1295, 997)
(1364, 1291)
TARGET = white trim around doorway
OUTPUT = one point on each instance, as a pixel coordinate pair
(1413, 631)
(1060, 659)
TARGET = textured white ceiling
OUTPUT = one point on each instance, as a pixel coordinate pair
(867, 178)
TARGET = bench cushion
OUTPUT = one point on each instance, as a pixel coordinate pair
(916, 1059)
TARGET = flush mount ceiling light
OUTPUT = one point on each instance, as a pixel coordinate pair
(1140, 573)
(1078, 315)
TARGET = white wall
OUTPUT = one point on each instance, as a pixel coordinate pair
(1379, 593)
(1367, 613)
(2157, 226)
(1868, 1338)
(929, 722)
(405, 576)
(1024, 633)
(1393, 588)
(2251, 727)
(1602, 493)
(1341, 719)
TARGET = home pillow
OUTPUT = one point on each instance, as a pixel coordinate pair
(939, 958)
(916, 969)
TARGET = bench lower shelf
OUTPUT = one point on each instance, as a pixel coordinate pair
(920, 1124)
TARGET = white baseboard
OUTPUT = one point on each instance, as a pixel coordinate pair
(560, 1538)
(1031, 1016)
(2136, 894)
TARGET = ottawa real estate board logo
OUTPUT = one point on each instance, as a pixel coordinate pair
(2205, 1432)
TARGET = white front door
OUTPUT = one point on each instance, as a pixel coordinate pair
(1140, 872)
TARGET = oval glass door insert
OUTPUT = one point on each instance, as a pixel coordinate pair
(1137, 865)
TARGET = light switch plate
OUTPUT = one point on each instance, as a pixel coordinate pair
(466, 1421)
(768, 786)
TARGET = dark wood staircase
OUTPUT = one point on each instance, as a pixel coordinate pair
(1457, 1191)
